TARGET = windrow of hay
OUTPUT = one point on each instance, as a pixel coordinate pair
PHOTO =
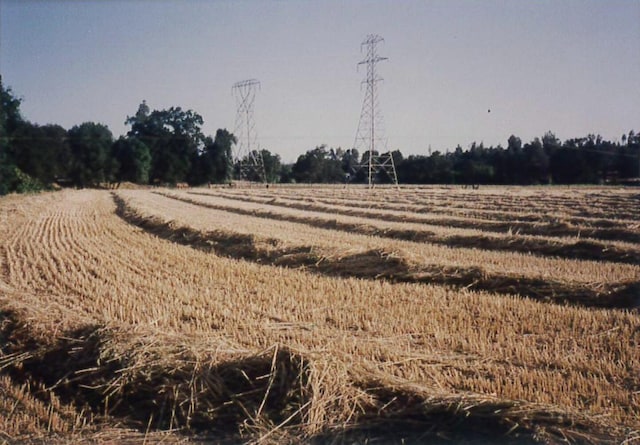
(32, 409)
(425, 215)
(508, 236)
(289, 233)
(365, 355)
(154, 383)
(157, 383)
(372, 263)
(459, 238)
(536, 203)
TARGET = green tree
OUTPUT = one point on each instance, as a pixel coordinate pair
(213, 163)
(272, 166)
(567, 164)
(318, 166)
(514, 172)
(415, 170)
(133, 160)
(174, 138)
(91, 149)
(10, 119)
(42, 152)
(537, 163)
(628, 160)
(10, 116)
(286, 173)
(350, 163)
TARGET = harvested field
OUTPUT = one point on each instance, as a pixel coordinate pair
(239, 315)
(249, 233)
(417, 228)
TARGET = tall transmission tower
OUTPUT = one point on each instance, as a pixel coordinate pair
(370, 135)
(247, 154)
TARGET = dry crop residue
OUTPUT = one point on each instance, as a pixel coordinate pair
(150, 333)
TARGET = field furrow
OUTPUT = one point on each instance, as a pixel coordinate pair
(495, 221)
(335, 252)
(556, 203)
(451, 237)
(573, 247)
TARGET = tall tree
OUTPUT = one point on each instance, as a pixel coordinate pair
(91, 149)
(350, 162)
(10, 119)
(537, 163)
(42, 152)
(631, 153)
(319, 165)
(272, 166)
(133, 160)
(515, 172)
(174, 138)
(213, 163)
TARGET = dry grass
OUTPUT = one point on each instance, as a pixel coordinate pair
(24, 414)
(155, 335)
(417, 227)
(579, 202)
(474, 241)
(438, 214)
(284, 243)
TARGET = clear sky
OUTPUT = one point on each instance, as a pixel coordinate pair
(569, 66)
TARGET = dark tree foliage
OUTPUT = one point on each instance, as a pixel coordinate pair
(590, 160)
(434, 169)
(319, 166)
(537, 161)
(174, 138)
(91, 150)
(625, 154)
(133, 160)
(168, 146)
(42, 152)
(10, 119)
(213, 164)
(350, 162)
(272, 166)
(286, 174)
(546, 160)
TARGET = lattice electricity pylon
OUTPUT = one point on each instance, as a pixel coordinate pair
(370, 138)
(246, 154)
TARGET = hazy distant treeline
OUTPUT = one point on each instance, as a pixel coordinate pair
(168, 147)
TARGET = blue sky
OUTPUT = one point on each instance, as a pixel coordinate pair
(569, 66)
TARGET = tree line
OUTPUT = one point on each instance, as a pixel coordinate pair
(161, 147)
(546, 160)
(168, 146)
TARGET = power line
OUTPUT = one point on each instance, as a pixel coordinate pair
(369, 136)
(247, 151)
